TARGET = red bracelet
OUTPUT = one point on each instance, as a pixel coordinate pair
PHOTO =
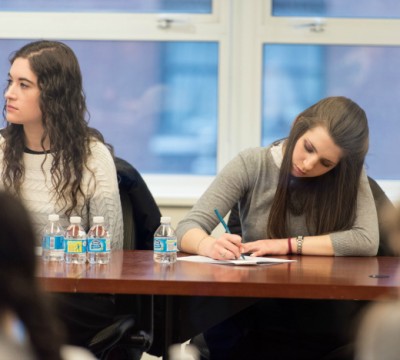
(289, 246)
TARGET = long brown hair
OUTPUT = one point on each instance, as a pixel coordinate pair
(64, 112)
(328, 201)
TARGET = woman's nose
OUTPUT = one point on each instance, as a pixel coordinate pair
(9, 93)
(309, 163)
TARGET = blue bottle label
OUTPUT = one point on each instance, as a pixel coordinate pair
(98, 245)
(73, 246)
(165, 244)
(53, 242)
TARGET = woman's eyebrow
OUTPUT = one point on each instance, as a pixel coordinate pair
(22, 79)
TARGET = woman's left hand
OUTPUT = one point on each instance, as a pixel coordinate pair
(266, 247)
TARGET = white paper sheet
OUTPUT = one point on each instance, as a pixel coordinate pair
(248, 260)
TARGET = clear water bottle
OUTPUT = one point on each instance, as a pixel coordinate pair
(165, 248)
(75, 242)
(53, 240)
(98, 242)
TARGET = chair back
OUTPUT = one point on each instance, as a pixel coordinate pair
(132, 332)
(140, 211)
(383, 206)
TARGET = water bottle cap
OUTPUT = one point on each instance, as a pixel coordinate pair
(54, 217)
(75, 219)
(98, 219)
(165, 219)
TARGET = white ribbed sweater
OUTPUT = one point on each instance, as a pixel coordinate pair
(101, 188)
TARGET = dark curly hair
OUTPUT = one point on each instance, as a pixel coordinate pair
(65, 122)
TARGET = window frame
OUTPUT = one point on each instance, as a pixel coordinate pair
(167, 189)
(327, 31)
(231, 24)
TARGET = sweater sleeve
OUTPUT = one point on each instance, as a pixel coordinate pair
(226, 189)
(105, 200)
(363, 238)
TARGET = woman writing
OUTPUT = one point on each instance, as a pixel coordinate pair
(55, 163)
(311, 184)
(307, 194)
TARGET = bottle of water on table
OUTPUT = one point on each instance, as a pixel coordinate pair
(99, 242)
(53, 240)
(165, 248)
(75, 242)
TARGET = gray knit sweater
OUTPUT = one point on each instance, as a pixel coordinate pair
(251, 179)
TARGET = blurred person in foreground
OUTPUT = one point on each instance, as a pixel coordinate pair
(379, 332)
(29, 328)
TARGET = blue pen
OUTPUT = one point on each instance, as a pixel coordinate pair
(222, 221)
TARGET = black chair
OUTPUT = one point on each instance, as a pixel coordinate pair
(139, 210)
(132, 332)
(383, 206)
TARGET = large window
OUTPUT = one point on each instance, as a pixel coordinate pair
(151, 72)
(317, 48)
(296, 76)
(337, 8)
(139, 6)
(155, 102)
(179, 87)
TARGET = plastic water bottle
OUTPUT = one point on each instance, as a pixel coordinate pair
(53, 240)
(165, 248)
(75, 242)
(98, 242)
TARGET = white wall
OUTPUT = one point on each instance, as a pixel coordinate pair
(178, 212)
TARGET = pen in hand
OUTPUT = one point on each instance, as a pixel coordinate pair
(222, 221)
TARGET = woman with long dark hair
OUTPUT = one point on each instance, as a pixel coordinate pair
(55, 163)
(49, 155)
(307, 194)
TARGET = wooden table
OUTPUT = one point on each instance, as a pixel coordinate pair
(311, 277)
(191, 289)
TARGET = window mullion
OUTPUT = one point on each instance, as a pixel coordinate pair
(242, 129)
(315, 30)
(109, 26)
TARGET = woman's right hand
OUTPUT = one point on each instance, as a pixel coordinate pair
(226, 247)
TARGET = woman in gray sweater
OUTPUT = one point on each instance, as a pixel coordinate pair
(307, 194)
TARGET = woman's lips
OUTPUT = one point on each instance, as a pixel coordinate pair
(297, 171)
(10, 108)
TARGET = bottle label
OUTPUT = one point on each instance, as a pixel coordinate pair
(73, 246)
(98, 245)
(165, 244)
(53, 242)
